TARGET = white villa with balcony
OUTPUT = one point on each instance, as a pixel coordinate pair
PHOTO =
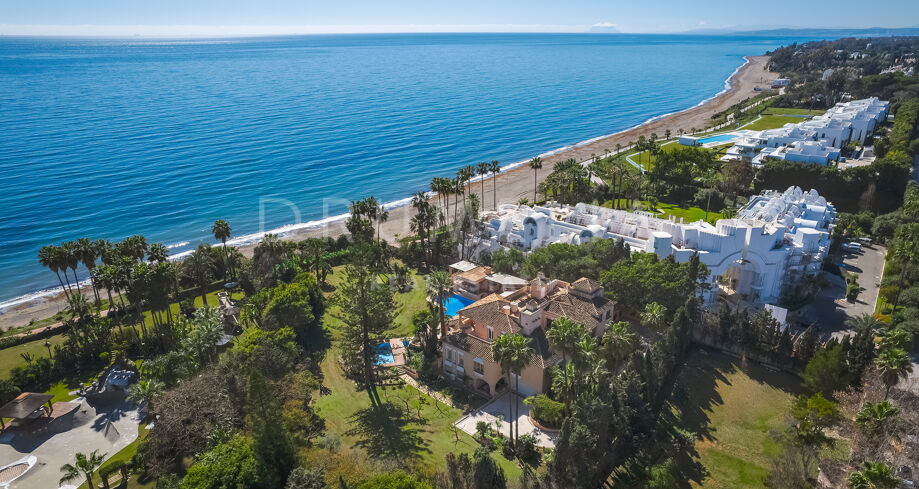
(777, 238)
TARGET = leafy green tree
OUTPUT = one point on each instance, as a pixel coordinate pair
(507, 261)
(874, 475)
(893, 364)
(273, 353)
(485, 471)
(272, 443)
(84, 465)
(231, 464)
(367, 311)
(654, 316)
(827, 371)
(292, 305)
(897, 338)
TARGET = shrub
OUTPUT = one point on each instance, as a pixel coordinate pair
(545, 410)
(526, 449)
(507, 448)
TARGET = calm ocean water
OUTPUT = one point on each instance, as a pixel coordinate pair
(107, 138)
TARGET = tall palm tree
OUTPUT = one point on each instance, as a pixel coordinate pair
(222, 233)
(867, 322)
(199, 268)
(618, 342)
(482, 170)
(906, 251)
(382, 216)
(894, 364)
(513, 352)
(874, 475)
(48, 256)
(565, 334)
(70, 260)
(158, 253)
(874, 416)
(494, 167)
(536, 165)
(439, 285)
(88, 254)
(85, 465)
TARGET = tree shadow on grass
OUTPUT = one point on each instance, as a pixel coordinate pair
(388, 432)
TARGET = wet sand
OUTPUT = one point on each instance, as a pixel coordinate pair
(512, 185)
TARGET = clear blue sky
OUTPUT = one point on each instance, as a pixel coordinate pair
(252, 16)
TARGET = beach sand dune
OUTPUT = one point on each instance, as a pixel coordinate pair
(511, 186)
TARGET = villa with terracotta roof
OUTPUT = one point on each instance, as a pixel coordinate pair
(476, 281)
(529, 311)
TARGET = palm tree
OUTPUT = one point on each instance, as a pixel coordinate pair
(222, 233)
(667, 134)
(906, 251)
(565, 334)
(893, 364)
(513, 352)
(619, 341)
(199, 268)
(654, 316)
(382, 216)
(618, 148)
(145, 391)
(494, 167)
(85, 465)
(874, 475)
(88, 254)
(158, 253)
(71, 260)
(875, 415)
(565, 383)
(48, 257)
(867, 322)
(680, 130)
(439, 285)
(536, 165)
(482, 170)
(315, 249)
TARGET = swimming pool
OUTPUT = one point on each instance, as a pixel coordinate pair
(454, 303)
(720, 138)
(384, 353)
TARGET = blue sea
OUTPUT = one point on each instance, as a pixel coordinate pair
(108, 138)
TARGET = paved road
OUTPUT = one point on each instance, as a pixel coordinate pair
(830, 310)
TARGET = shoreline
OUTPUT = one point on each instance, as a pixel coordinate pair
(515, 181)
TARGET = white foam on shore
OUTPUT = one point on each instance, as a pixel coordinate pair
(254, 238)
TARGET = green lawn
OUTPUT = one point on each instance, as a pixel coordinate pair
(12, 357)
(789, 111)
(409, 440)
(689, 214)
(733, 408)
(772, 122)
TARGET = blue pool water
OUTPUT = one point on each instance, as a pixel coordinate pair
(720, 138)
(104, 138)
(455, 303)
(384, 354)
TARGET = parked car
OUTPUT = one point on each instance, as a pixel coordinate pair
(853, 247)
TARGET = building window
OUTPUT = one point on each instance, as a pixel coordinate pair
(491, 333)
(478, 367)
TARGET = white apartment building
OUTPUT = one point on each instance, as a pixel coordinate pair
(777, 238)
(848, 121)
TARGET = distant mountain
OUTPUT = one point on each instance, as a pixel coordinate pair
(816, 32)
(603, 28)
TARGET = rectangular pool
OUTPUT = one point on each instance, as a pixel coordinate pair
(454, 303)
(720, 138)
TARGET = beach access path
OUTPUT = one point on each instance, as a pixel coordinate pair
(512, 185)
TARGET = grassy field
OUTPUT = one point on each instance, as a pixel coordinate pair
(12, 357)
(418, 433)
(733, 408)
(789, 111)
(772, 122)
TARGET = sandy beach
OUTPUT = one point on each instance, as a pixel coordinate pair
(512, 185)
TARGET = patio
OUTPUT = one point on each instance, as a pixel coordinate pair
(498, 407)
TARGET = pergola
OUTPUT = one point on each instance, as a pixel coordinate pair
(25, 406)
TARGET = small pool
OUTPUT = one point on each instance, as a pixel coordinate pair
(454, 303)
(720, 138)
(384, 354)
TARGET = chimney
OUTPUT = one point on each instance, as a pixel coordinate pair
(514, 307)
(506, 310)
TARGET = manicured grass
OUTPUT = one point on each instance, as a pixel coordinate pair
(772, 122)
(418, 442)
(689, 214)
(125, 455)
(790, 111)
(734, 408)
(12, 357)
